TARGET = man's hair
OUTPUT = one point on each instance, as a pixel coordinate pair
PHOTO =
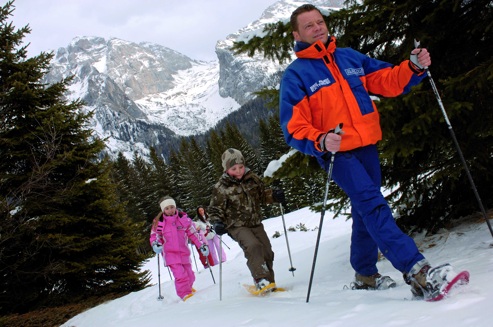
(301, 9)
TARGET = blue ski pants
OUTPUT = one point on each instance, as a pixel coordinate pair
(357, 173)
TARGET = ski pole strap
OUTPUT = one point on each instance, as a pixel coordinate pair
(337, 130)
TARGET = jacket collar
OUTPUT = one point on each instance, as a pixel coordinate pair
(315, 50)
(173, 216)
(225, 177)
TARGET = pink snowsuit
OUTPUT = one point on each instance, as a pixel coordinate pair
(173, 233)
(204, 228)
(209, 260)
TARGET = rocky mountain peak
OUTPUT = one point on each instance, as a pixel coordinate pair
(146, 94)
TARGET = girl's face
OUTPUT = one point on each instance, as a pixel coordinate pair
(201, 211)
(237, 171)
(169, 210)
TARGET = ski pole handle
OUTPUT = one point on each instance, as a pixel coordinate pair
(414, 57)
(333, 143)
(338, 130)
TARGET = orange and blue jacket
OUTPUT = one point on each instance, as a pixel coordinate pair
(326, 86)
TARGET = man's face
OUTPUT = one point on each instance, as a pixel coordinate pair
(311, 28)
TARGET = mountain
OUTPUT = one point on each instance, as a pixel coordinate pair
(145, 94)
(224, 302)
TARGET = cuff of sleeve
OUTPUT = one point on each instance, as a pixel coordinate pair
(319, 143)
(415, 69)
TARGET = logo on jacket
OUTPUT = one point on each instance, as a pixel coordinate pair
(319, 84)
(355, 71)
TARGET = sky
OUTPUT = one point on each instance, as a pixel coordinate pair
(223, 301)
(191, 27)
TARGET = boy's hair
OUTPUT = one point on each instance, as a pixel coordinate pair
(301, 9)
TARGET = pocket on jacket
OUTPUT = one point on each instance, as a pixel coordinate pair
(361, 95)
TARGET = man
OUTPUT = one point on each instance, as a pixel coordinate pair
(326, 86)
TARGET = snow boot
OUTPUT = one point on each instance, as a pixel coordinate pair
(418, 282)
(373, 282)
(429, 282)
(263, 285)
(186, 297)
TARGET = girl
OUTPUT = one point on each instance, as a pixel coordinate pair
(204, 226)
(170, 233)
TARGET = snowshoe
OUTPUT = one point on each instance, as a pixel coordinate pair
(373, 282)
(433, 284)
(261, 287)
(270, 288)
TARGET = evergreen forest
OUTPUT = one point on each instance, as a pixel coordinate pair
(75, 223)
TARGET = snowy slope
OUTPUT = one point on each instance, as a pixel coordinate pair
(468, 246)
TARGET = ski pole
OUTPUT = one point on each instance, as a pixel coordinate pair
(210, 269)
(337, 130)
(224, 243)
(329, 176)
(292, 269)
(220, 268)
(169, 271)
(456, 143)
(194, 260)
(212, 229)
(160, 297)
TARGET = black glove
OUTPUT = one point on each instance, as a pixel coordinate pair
(220, 228)
(278, 196)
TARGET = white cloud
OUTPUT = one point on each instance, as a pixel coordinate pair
(191, 27)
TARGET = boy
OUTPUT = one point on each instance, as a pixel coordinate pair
(235, 209)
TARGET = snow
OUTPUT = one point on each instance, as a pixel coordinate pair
(467, 247)
(274, 165)
(194, 105)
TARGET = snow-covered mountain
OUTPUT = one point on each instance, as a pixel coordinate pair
(147, 95)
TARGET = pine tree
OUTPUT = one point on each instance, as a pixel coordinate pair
(202, 178)
(234, 139)
(275, 45)
(195, 176)
(161, 180)
(419, 160)
(215, 149)
(145, 189)
(125, 176)
(178, 168)
(272, 143)
(139, 189)
(64, 233)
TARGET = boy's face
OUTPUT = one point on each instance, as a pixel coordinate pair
(237, 171)
(169, 210)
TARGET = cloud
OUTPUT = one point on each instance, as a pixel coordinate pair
(191, 27)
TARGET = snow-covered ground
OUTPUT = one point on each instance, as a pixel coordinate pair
(468, 246)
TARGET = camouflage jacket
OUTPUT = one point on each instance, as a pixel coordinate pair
(238, 202)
